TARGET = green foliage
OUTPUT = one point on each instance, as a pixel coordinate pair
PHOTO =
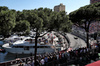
(41, 19)
(22, 26)
(7, 22)
(65, 23)
(38, 23)
(4, 8)
(59, 21)
(86, 13)
(45, 19)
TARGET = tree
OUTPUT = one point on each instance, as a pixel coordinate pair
(41, 21)
(59, 21)
(19, 16)
(38, 27)
(22, 26)
(84, 16)
(7, 22)
(4, 8)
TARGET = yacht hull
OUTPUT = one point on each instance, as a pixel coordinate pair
(26, 51)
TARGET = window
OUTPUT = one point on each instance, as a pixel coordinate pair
(41, 47)
(27, 40)
(47, 46)
(18, 46)
(32, 46)
(26, 48)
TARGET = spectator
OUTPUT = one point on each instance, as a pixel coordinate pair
(37, 63)
(32, 63)
(57, 55)
(42, 61)
(20, 64)
(46, 59)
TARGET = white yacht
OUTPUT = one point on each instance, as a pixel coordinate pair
(1, 43)
(27, 46)
(13, 38)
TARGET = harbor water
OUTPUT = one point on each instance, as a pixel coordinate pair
(9, 56)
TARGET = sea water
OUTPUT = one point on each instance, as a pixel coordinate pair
(9, 56)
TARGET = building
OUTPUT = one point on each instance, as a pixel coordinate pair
(59, 8)
(94, 1)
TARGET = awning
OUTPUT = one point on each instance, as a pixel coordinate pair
(97, 63)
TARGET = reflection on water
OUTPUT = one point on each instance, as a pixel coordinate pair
(9, 56)
(2, 56)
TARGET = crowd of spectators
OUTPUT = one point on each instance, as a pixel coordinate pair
(93, 28)
(81, 56)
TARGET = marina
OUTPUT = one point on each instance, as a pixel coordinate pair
(27, 46)
(23, 47)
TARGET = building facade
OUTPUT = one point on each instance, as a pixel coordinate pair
(59, 8)
(94, 1)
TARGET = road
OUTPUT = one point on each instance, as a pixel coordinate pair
(75, 42)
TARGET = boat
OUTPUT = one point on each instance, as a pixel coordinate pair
(13, 38)
(2, 56)
(1, 43)
(1, 37)
(27, 46)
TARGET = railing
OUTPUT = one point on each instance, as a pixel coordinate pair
(60, 62)
(16, 61)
